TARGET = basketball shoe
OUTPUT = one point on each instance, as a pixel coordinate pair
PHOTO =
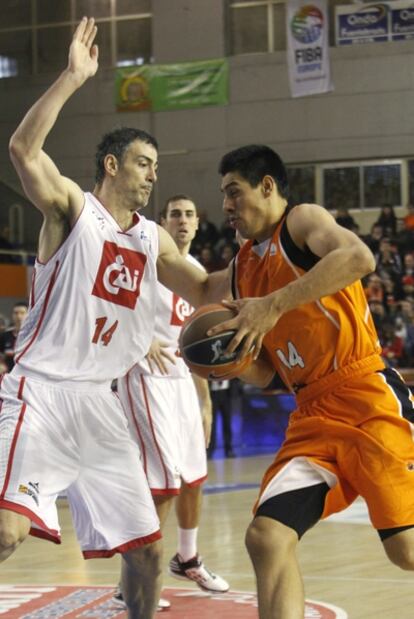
(195, 570)
(118, 600)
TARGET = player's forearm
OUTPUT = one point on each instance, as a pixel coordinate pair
(30, 135)
(335, 271)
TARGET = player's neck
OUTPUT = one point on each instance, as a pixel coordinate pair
(122, 213)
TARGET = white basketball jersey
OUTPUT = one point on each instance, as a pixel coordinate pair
(92, 303)
(172, 311)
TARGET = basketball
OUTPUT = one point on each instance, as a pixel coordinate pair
(205, 354)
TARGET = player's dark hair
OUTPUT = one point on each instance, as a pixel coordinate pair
(115, 143)
(255, 161)
(175, 198)
(21, 304)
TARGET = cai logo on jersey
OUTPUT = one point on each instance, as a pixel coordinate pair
(180, 310)
(119, 275)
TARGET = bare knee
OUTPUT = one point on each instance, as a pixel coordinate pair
(145, 558)
(14, 529)
(265, 536)
(400, 549)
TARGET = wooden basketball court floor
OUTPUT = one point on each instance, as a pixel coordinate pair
(342, 559)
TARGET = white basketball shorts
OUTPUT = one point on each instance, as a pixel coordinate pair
(165, 419)
(73, 439)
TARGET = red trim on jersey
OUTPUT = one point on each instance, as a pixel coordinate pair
(147, 406)
(135, 543)
(21, 387)
(46, 533)
(42, 314)
(135, 420)
(196, 482)
(32, 288)
(165, 492)
(12, 449)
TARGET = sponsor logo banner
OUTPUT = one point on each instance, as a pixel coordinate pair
(70, 602)
(308, 47)
(374, 23)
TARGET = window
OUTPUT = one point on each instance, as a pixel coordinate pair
(341, 187)
(35, 34)
(301, 184)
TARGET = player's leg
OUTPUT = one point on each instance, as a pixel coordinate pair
(14, 528)
(399, 546)
(141, 580)
(163, 504)
(272, 550)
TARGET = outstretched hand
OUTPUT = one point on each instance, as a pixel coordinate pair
(83, 54)
(255, 317)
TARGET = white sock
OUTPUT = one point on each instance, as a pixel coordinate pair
(187, 543)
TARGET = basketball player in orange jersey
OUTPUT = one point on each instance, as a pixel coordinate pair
(352, 432)
(91, 313)
(167, 408)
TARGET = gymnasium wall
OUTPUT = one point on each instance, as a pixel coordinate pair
(368, 115)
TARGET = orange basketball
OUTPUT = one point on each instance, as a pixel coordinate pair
(205, 355)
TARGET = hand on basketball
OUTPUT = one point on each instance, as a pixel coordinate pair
(83, 55)
(159, 357)
(255, 317)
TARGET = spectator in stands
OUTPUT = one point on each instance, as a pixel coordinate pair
(344, 219)
(208, 259)
(374, 289)
(378, 315)
(388, 220)
(374, 237)
(227, 253)
(408, 220)
(9, 336)
(207, 234)
(392, 345)
(388, 259)
(408, 264)
(408, 287)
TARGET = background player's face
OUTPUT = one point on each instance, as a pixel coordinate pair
(18, 315)
(246, 207)
(136, 174)
(181, 221)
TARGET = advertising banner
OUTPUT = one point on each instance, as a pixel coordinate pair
(374, 23)
(173, 86)
(308, 47)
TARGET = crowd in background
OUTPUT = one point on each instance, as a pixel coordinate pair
(389, 290)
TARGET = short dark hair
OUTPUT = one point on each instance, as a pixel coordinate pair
(255, 161)
(21, 304)
(175, 198)
(115, 143)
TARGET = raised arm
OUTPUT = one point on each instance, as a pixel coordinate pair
(191, 283)
(53, 194)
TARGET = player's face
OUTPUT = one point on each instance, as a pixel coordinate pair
(245, 206)
(181, 221)
(137, 174)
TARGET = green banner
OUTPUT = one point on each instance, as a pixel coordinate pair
(172, 87)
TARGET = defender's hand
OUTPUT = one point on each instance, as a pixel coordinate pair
(83, 55)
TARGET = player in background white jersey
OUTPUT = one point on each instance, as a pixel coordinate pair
(167, 409)
(91, 310)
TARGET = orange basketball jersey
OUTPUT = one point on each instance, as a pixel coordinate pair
(315, 339)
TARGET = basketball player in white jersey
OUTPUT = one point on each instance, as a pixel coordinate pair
(91, 315)
(167, 408)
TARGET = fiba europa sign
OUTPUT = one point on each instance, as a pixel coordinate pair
(306, 25)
